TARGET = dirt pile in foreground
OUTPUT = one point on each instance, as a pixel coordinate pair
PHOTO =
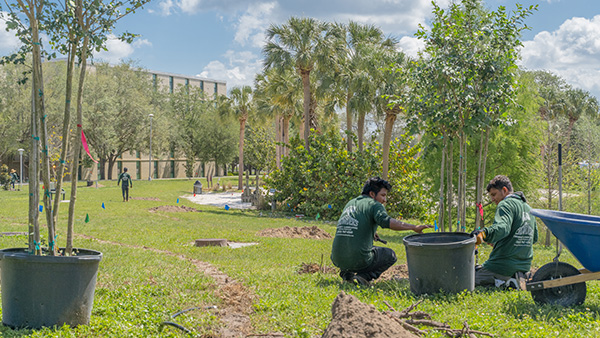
(352, 318)
(313, 232)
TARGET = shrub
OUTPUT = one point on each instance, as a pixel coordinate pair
(410, 196)
(4, 177)
(322, 181)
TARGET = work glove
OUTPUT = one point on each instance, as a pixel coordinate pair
(479, 235)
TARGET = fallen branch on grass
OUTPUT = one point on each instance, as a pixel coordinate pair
(423, 318)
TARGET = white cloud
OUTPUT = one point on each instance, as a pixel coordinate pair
(239, 69)
(166, 7)
(411, 46)
(252, 24)
(118, 50)
(572, 51)
(8, 41)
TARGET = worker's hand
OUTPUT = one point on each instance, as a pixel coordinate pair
(419, 228)
(479, 236)
(376, 238)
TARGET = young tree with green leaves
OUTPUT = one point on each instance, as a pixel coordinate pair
(467, 77)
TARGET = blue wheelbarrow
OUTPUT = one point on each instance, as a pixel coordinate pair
(560, 283)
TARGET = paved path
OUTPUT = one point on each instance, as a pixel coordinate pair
(220, 199)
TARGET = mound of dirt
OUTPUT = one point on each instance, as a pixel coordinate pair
(398, 271)
(145, 198)
(313, 232)
(314, 268)
(173, 208)
(352, 318)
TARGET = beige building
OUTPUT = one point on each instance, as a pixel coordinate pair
(138, 163)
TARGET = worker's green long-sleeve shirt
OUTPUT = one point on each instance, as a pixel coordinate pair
(513, 233)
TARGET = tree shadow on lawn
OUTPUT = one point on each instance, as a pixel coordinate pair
(517, 308)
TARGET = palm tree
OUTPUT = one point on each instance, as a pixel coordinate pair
(306, 44)
(278, 94)
(241, 101)
(363, 42)
(392, 97)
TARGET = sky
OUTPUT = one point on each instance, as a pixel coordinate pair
(223, 39)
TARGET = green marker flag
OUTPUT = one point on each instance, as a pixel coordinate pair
(87, 218)
(318, 216)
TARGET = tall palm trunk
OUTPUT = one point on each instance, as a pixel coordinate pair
(360, 130)
(241, 150)
(306, 86)
(390, 118)
(278, 140)
(348, 122)
(286, 134)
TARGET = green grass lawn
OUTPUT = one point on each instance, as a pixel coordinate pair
(139, 288)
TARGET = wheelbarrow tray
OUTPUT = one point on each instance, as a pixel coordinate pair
(578, 232)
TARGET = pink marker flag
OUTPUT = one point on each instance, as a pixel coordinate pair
(85, 146)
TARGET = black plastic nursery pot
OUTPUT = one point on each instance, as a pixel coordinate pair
(440, 261)
(44, 291)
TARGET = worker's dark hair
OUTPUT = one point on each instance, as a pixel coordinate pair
(375, 184)
(124, 169)
(499, 182)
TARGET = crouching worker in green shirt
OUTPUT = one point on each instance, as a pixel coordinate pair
(353, 252)
(512, 235)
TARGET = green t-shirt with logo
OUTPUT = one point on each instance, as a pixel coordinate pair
(513, 233)
(356, 227)
(126, 180)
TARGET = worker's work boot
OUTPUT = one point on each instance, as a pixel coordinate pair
(347, 276)
(360, 280)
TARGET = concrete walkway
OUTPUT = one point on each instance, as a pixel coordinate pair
(220, 199)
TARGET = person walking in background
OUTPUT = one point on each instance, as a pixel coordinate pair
(127, 182)
(14, 178)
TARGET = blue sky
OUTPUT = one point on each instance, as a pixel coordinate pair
(222, 39)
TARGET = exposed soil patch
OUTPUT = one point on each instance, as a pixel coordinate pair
(314, 268)
(2, 234)
(145, 198)
(237, 299)
(352, 318)
(397, 271)
(313, 232)
(173, 208)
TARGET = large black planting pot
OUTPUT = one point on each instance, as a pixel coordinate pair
(440, 261)
(44, 291)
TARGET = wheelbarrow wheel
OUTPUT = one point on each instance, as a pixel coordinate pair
(566, 295)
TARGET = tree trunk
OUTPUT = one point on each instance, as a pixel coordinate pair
(66, 128)
(483, 149)
(348, 122)
(77, 148)
(286, 135)
(34, 175)
(449, 183)
(460, 182)
(306, 85)
(390, 118)
(360, 130)
(442, 174)
(278, 140)
(241, 150)
(111, 164)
